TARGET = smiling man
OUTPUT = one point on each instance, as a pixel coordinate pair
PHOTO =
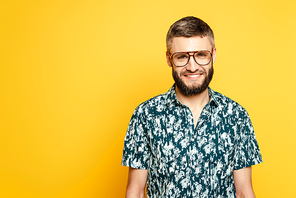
(190, 141)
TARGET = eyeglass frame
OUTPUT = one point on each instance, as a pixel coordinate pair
(194, 52)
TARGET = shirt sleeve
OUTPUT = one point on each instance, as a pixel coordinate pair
(247, 153)
(136, 151)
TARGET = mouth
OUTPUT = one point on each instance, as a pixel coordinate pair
(193, 76)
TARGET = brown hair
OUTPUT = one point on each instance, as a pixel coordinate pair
(188, 27)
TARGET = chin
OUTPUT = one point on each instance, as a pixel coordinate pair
(193, 85)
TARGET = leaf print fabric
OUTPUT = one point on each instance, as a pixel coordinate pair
(184, 161)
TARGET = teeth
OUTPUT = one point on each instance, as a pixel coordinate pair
(192, 76)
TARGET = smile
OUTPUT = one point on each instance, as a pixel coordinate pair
(193, 76)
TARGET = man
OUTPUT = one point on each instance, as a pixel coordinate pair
(190, 141)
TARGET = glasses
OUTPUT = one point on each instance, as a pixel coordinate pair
(180, 59)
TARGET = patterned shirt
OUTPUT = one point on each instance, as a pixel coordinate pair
(184, 161)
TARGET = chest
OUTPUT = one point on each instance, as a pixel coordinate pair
(176, 138)
(196, 115)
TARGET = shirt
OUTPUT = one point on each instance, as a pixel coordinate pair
(184, 161)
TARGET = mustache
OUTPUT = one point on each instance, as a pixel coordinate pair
(198, 71)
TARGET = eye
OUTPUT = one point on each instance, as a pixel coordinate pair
(181, 56)
(202, 54)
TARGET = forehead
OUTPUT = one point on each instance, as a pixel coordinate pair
(185, 44)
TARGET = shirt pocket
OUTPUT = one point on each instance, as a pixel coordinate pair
(226, 148)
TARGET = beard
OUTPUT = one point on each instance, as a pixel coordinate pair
(193, 90)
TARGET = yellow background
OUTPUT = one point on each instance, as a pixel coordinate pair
(72, 72)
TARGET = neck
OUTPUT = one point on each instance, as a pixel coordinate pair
(193, 102)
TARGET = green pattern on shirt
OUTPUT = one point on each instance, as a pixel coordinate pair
(187, 162)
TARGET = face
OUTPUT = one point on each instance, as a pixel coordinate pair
(192, 79)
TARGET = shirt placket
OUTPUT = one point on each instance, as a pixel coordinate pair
(189, 122)
(204, 117)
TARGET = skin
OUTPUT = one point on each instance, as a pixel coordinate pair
(137, 179)
(243, 183)
(184, 44)
(243, 177)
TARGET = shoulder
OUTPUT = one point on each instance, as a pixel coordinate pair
(227, 104)
(152, 104)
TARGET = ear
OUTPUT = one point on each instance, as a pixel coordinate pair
(214, 54)
(168, 59)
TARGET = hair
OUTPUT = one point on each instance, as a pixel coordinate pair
(188, 27)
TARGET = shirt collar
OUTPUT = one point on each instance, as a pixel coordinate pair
(171, 97)
(213, 97)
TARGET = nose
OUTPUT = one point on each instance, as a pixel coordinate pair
(192, 65)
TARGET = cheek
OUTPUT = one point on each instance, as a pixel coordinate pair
(180, 71)
(207, 70)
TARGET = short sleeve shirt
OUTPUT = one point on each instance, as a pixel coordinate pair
(187, 161)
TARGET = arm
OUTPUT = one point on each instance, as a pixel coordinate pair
(137, 179)
(243, 183)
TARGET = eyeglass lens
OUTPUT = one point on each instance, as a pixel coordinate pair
(200, 57)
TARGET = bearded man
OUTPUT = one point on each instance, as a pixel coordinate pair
(190, 141)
